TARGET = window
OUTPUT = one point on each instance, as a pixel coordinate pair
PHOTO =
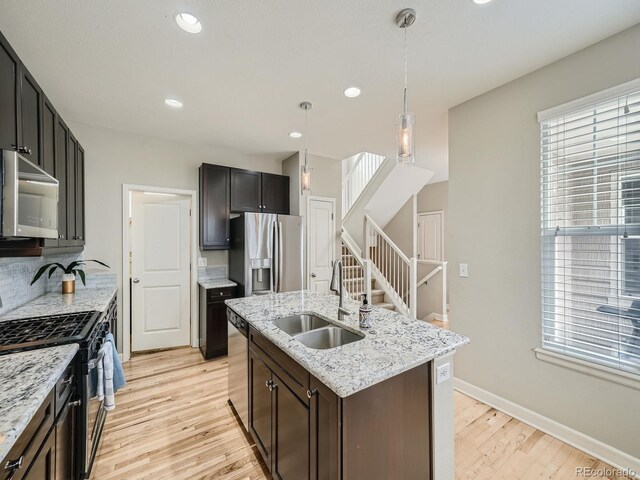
(590, 209)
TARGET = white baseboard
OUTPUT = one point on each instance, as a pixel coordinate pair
(435, 316)
(608, 454)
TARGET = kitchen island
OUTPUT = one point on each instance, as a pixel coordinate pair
(370, 408)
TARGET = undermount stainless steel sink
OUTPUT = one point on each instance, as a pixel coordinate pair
(329, 337)
(303, 322)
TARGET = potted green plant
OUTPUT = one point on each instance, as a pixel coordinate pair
(68, 275)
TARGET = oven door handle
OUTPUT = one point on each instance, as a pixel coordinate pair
(94, 362)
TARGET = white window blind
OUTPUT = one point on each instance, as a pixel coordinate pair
(590, 205)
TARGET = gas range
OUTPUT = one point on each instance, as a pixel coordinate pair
(46, 331)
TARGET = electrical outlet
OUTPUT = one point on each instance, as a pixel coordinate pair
(202, 262)
(464, 270)
(443, 373)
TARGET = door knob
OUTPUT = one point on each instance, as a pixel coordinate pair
(136, 280)
(313, 275)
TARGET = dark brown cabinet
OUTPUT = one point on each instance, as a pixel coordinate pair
(9, 93)
(260, 406)
(275, 193)
(31, 116)
(225, 190)
(214, 207)
(213, 320)
(324, 432)
(246, 193)
(45, 449)
(28, 120)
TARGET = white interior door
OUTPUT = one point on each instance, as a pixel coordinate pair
(431, 236)
(321, 242)
(160, 271)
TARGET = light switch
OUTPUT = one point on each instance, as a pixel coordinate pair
(202, 261)
(464, 270)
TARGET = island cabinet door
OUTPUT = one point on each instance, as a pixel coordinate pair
(260, 406)
(43, 466)
(324, 432)
(291, 434)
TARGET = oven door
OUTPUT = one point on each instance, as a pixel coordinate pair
(94, 416)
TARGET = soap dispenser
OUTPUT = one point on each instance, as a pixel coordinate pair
(365, 313)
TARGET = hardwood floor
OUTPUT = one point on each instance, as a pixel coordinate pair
(172, 421)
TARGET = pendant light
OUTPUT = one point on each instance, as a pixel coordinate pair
(406, 156)
(305, 174)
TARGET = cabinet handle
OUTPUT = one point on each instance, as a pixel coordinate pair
(75, 403)
(267, 383)
(68, 381)
(14, 465)
(272, 386)
(311, 393)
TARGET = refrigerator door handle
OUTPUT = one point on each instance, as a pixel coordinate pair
(274, 259)
(280, 256)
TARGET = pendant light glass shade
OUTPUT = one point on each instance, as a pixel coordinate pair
(305, 178)
(405, 139)
(305, 171)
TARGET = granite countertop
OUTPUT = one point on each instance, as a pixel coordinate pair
(25, 380)
(393, 345)
(217, 283)
(84, 300)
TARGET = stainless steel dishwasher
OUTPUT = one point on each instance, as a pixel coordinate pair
(238, 358)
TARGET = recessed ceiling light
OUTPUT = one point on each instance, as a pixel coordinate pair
(352, 92)
(173, 103)
(480, 2)
(188, 22)
(295, 134)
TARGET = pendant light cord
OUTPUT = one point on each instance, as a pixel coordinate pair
(306, 136)
(406, 63)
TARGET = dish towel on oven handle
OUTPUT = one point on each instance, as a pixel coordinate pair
(118, 373)
(105, 377)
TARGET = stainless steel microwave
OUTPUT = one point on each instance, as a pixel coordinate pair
(29, 197)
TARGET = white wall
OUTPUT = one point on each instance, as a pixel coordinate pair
(115, 158)
(494, 226)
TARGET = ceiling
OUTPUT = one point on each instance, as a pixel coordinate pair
(112, 63)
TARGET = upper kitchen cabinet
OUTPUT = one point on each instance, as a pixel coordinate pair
(275, 193)
(9, 95)
(29, 122)
(225, 190)
(245, 191)
(31, 116)
(214, 207)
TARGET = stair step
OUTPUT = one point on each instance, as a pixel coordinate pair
(388, 306)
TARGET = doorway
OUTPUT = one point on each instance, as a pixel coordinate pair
(159, 302)
(321, 242)
(431, 236)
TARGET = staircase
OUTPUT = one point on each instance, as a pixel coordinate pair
(354, 281)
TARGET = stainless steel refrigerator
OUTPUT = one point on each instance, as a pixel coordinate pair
(266, 253)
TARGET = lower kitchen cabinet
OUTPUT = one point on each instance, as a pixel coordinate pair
(213, 320)
(303, 430)
(46, 448)
(278, 422)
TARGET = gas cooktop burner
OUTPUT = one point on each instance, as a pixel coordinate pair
(38, 332)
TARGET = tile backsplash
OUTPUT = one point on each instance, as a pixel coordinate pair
(16, 275)
(212, 272)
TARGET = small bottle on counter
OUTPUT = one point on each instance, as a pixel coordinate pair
(365, 313)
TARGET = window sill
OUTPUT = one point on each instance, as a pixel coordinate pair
(611, 374)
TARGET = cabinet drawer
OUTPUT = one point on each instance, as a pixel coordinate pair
(290, 372)
(64, 387)
(220, 294)
(32, 438)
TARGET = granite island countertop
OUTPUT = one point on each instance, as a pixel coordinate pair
(84, 300)
(25, 380)
(394, 343)
(217, 283)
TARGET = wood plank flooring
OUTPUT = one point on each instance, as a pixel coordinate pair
(172, 421)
